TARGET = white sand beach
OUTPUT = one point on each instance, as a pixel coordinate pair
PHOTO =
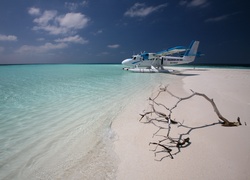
(215, 152)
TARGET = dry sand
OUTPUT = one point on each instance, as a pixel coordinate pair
(215, 152)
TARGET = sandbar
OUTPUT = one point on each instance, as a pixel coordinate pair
(215, 152)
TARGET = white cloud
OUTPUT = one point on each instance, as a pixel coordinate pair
(84, 3)
(73, 20)
(113, 46)
(8, 38)
(221, 18)
(41, 49)
(141, 10)
(216, 19)
(34, 11)
(71, 6)
(44, 19)
(55, 24)
(97, 32)
(194, 3)
(52, 29)
(72, 39)
(183, 3)
(40, 39)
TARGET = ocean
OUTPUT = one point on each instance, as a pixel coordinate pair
(55, 120)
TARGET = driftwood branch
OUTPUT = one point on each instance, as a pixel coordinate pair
(155, 117)
(226, 122)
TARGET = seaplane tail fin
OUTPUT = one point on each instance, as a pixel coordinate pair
(191, 53)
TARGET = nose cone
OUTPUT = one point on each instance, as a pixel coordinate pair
(126, 62)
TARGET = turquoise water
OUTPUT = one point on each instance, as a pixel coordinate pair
(55, 119)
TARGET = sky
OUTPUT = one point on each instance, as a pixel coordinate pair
(109, 31)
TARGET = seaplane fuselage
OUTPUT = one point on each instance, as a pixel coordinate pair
(139, 61)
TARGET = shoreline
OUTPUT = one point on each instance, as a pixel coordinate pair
(215, 151)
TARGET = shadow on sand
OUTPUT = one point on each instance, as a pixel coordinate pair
(171, 142)
(187, 72)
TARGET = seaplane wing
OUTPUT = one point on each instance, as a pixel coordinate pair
(171, 51)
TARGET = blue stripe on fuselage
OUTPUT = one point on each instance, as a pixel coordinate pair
(135, 62)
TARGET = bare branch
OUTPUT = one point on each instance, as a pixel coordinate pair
(163, 121)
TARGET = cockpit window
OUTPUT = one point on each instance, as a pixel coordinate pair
(134, 58)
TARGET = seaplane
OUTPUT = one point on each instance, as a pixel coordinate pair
(155, 62)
